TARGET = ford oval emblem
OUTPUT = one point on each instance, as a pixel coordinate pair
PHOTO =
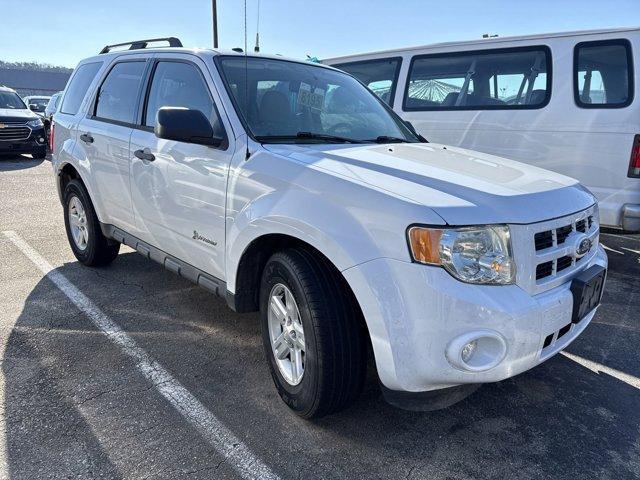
(583, 245)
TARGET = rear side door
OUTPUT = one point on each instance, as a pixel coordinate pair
(179, 195)
(105, 134)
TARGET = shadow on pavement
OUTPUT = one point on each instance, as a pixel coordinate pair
(76, 406)
(18, 162)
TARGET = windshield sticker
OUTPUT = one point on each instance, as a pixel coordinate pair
(307, 98)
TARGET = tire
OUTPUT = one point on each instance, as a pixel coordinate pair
(335, 351)
(96, 250)
(40, 153)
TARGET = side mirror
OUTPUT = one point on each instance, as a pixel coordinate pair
(186, 125)
(33, 107)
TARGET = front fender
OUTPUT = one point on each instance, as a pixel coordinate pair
(329, 228)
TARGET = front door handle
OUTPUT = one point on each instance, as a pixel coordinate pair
(145, 155)
(86, 138)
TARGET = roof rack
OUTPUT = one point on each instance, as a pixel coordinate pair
(140, 44)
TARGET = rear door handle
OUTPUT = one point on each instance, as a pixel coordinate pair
(86, 138)
(145, 155)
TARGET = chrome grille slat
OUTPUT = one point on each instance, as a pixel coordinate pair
(546, 257)
(12, 132)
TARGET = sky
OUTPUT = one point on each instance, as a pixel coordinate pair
(66, 31)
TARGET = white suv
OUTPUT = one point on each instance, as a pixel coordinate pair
(290, 189)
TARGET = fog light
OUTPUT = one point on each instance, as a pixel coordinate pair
(468, 351)
(476, 351)
(40, 139)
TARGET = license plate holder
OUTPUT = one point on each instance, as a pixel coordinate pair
(586, 289)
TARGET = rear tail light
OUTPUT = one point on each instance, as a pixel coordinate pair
(634, 163)
(51, 130)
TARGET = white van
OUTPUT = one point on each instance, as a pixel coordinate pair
(562, 101)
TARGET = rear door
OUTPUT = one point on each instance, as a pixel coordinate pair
(105, 134)
(179, 196)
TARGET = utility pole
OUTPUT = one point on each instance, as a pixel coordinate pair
(214, 11)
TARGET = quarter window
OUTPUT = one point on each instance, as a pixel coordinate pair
(118, 95)
(603, 74)
(77, 89)
(380, 75)
(491, 79)
(179, 84)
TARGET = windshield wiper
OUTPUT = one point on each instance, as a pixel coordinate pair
(387, 139)
(310, 136)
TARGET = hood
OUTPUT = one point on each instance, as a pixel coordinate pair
(462, 186)
(14, 115)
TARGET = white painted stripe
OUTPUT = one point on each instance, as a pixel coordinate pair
(598, 368)
(611, 249)
(235, 452)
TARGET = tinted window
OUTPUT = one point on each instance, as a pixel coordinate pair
(603, 74)
(118, 95)
(77, 89)
(514, 78)
(11, 100)
(177, 84)
(380, 75)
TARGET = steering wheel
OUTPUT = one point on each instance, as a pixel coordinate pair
(335, 129)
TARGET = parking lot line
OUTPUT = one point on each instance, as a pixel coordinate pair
(597, 368)
(234, 451)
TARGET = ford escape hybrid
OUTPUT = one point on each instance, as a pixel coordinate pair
(290, 189)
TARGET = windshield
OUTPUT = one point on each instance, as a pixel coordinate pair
(288, 102)
(39, 102)
(11, 100)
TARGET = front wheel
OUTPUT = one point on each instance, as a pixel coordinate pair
(87, 241)
(312, 333)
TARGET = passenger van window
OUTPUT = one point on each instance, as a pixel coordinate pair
(603, 76)
(380, 75)
(118, 95)
(77, 89)
(179, 84)
(491, 79)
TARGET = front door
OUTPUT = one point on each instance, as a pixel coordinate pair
(179, 189)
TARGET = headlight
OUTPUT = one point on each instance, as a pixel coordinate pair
(36, 123)
(471, 254)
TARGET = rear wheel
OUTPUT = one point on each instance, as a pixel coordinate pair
(87, 241)
(312, 334)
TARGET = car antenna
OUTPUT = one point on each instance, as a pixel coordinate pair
(257, 47)
(246, 77)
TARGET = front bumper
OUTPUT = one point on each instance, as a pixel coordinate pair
(36, 140)
(414, 312)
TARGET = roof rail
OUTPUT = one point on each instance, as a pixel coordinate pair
(140, 44)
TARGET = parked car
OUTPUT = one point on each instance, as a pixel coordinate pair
(21, 130)
(50, 110)
(562, 101)
(37, 104)
(288, 188)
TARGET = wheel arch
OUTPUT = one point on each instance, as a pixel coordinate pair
(67, 172)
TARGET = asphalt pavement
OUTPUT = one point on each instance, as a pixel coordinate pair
(132, 372)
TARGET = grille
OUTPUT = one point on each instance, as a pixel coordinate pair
(14, 131)
(555, 254)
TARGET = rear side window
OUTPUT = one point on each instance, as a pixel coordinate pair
(515, 78)
(180, 84)
(118, 95)
(603, 74)
(380, 75)
(78, 87)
